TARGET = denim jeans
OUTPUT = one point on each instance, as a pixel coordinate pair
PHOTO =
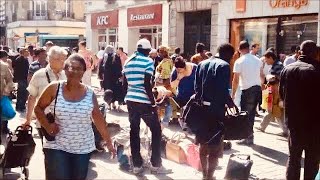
(249, 102)
(62, 165)
(167, 113)
(150, 117)
(22, 94)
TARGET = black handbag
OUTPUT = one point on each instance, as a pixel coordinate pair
(191, 114)
(51, 118)
(236, 125)
(239, 166)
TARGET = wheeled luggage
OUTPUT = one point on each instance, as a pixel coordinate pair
(19, 151)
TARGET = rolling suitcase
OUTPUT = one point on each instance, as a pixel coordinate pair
(19, 151)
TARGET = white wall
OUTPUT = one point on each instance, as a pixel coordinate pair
(133, 37)
(123, 29)
(91, 35)
(165, 24)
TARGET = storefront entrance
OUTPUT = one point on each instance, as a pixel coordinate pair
(197, 29)
(154, 35)
(278, 32)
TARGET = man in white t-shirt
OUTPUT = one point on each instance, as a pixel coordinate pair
(293, 58)
(248, 74)
(100, 53)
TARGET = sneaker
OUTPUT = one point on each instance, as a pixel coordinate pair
(160, 170)
(259, 128)
(137, 170)
(2, 148)
(247, 142)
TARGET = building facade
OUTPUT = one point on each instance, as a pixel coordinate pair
(193, 21)
(2, 22)
(28, 19)
(270, 23)
(125, 22)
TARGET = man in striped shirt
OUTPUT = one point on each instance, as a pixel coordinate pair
(138, 72)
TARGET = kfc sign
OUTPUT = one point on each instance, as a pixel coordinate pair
(104, 20)
(144, 16)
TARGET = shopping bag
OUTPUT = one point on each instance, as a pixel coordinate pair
(20, 148)
(174, 151)
(7, 111)
(264, 104)
(193, 157)
(239, 167)
(236, 125)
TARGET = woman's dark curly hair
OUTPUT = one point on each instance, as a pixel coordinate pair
(75, 57)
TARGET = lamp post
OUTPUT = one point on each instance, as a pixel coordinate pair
(37, 35)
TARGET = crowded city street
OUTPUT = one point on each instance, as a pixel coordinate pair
(159, 89)
(269, 155)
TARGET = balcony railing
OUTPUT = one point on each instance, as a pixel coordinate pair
(68, 15)
(38, 15)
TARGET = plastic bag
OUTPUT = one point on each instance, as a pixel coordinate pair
(7, 111)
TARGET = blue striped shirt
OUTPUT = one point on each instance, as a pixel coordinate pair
(135, 69)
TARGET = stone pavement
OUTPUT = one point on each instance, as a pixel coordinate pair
(269, 155)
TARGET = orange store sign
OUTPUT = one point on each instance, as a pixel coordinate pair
(288, 3)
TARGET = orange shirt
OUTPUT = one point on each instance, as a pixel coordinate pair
(197, 58)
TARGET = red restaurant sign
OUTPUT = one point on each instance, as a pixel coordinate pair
(144, 16)
(104, 20)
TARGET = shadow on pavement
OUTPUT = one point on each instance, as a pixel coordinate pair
(118, 114)
(274, 156)
(103, 156)
(231, 151)
(92, 174)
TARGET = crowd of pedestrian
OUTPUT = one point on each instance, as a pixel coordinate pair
(155, 87)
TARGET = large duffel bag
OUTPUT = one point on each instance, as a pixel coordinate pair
(236, 125)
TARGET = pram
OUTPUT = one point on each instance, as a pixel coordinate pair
(18, 152)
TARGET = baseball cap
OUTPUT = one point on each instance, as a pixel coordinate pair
(144, 44)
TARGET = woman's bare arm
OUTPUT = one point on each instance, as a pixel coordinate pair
(101, 124)
(44, 101)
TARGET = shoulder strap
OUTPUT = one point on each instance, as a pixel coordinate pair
(48, 78)
(55, 101)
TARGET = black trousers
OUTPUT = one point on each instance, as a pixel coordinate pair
(22, 94)
(309, 143)
(138, 111)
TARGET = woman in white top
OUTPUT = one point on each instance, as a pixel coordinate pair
(67, 156)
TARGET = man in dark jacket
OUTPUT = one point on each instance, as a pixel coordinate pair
(298, 89)
(20, 74)
(212, 86)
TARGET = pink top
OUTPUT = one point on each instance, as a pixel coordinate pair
(123, 58)
(86, 54)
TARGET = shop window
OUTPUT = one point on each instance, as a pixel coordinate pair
(101, 31)
(108, 37)
(154, 35)
(145, 30)
(278, 32)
